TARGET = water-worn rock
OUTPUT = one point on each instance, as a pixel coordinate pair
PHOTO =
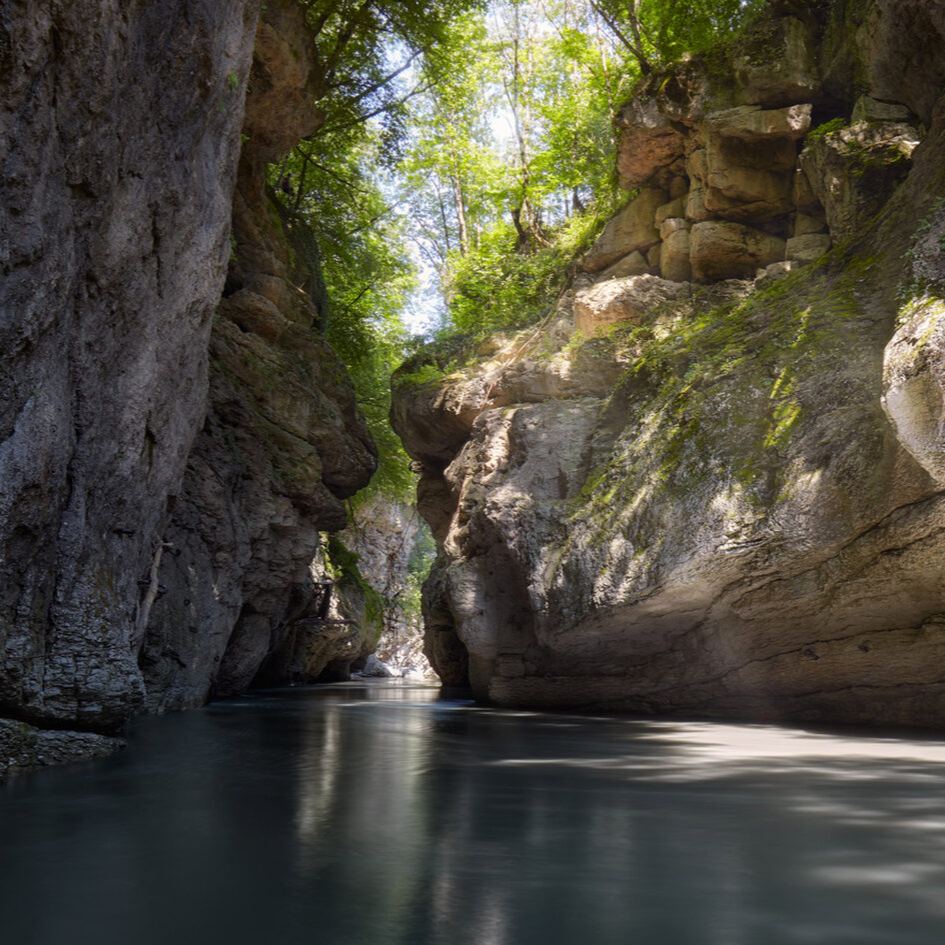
(282, 446)
(163, 474)
(914, 384)
(734, 527)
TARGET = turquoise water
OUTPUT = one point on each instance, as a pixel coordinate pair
(378, 814)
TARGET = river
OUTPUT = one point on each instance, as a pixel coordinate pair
(381, 814)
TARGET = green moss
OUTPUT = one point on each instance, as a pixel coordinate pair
(343, 566)
(722, 398)
(828, 127)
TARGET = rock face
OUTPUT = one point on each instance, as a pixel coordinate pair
(725, 505)
(119, 148)
(282, 445)
(23, 747)
(164, 470)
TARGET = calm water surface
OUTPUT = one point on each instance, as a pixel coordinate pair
(381, 815)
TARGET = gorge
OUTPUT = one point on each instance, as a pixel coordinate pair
(708, 483)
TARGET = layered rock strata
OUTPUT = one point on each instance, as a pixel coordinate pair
(724, 504)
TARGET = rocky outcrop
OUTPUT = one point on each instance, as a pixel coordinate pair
(731, 142)
(166, 459)
(724, 504)
(24, 747)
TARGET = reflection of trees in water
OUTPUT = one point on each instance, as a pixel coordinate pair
(471, 825)
(361, 816)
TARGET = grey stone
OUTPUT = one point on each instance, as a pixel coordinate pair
(807, 248)
(119, 164)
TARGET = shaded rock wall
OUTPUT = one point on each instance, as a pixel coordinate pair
(119, 137)
(167, 460)
(706, 510)
(283, 443)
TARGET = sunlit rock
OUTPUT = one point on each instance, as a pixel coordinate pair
(621, 300)
(725, 250)
(855, 170)
(633, 229)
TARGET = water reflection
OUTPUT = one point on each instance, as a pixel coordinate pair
(378, 814)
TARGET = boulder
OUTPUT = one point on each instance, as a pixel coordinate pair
(696, 210)
(675, 208)
(379, 669)
(255, 314)
(671, 225)
(752, 122)
(914, 384)
(632, 229)
(776, 64)
(805, 249)
(697, 165)
(634, 264)
(621, 300)
(726, 250)
(805, 224)
(653, 258)
(648, 142)
(674, 256)
(748, 178)
(802, 194)
(853, 171)
(871, 109)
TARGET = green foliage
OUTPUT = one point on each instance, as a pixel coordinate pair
(495, 288)
(418, 567)
(656, 32)
(342, 564)
(496, 120)
(828, 127)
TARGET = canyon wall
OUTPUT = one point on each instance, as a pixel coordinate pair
(166, 460)
(712, 484)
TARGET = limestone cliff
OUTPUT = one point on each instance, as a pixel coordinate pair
(698, 489)
(166, 460)
(282, 445)
(119, 137)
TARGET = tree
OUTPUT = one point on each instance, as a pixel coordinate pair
(655, 32)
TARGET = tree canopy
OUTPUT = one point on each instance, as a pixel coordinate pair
(472, 140)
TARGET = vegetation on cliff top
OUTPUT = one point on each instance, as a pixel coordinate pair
(467, 146)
